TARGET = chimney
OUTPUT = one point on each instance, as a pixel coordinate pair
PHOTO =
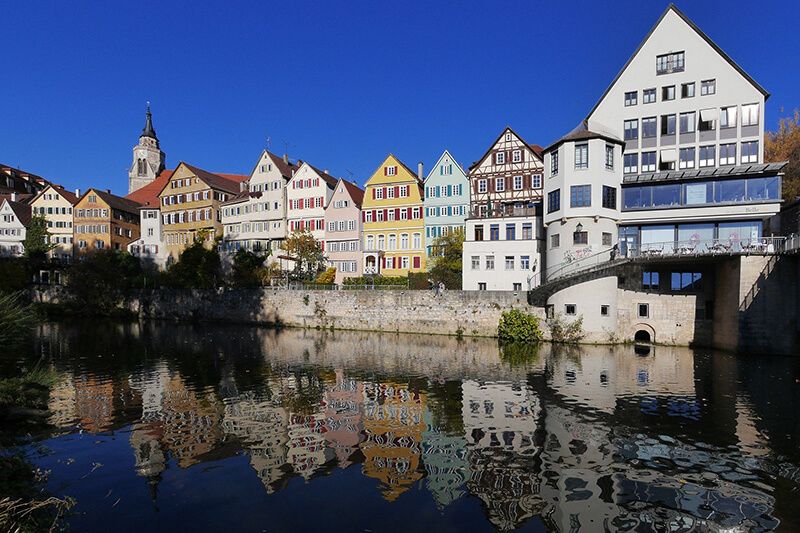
(78, 193)
(419, 171)
(242, 186)
(325, 171)
(108, 191)
(13, 197)
(286, 158)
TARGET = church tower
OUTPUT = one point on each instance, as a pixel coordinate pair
(148, 159)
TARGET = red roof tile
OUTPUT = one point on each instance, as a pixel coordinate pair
(148, 195)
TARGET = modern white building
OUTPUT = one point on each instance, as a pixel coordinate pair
(55, 204)
(14, 218)
(503, 239)
(255, 220)
(307, 196)
(150, 247)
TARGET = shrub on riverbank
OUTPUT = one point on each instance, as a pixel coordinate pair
(383, 281)
(17, 316)
(98, 281)
(518, 326)
(14, 275)
(197, 268)
(30, 390)
(23, 506)
(566, 331)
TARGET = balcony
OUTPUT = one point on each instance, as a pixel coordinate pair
(503, 211)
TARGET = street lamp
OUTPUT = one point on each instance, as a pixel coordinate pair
(579, 228)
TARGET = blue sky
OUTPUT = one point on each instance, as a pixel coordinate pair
(343, 83)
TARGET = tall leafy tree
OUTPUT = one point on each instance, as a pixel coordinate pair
(36, 238)
(784, 145)
(446, 259)
(307, 252)
(197, 268)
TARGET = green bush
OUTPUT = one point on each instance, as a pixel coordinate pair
(327, 277)
(418, 281)
(16, 316)
(197, 268)
(99, 280)
(246, 265)
(378, 280)
(567, 332)
(517, 326)
(14, 275)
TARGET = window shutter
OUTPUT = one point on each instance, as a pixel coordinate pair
(385, 215)
(373, 193)
(416, 261)
(385, 171)
(397, 192)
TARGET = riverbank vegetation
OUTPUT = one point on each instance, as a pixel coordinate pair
(24, 505)
(519, 327)
(565, 331)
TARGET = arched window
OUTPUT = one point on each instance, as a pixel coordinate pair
(142, 167)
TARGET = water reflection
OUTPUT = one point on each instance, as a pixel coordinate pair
(561, 438)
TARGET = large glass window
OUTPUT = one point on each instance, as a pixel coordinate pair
(686, 158)
(669, 63)
(658, 238)
(727, 117)
(686, 281)
(696, 237)
(702, 193)
(749, 115)
(580, 196)
(729, 191)
(648, 127)
(687, 124)
(666, 195)
(630, 163)
(750, 152)
(727, 154)
(733, 233)
(759, 189)
(648, 161)
(631, 129)
(698, 193)
(707, 156)
(667, 124)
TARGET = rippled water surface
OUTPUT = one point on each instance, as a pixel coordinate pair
(193, 428)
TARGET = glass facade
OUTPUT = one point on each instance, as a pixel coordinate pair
(668, 238)
(715, 192)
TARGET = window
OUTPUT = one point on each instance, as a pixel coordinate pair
(667, 125)
(687, 123)
(476, 262)
(603, 310)
(479, 233)
(610, 157)
(580, 237)
(489, 262)
(404, 241)
(727, 117)
(509, 262)
(687, 90)
(609, 197)
(707, 156)
(686, 281)
(481, 185)
(686, 158)
(649, 96)
(516, 156)
(581, 156)
(391, 171)
(500, 158)
(580, 196)
(750, 152)
(650, 280)
(499, 184)
(517, 286)
(570, 309)
(524, 262)
(553, 163)
(630, 98)
(482, 286)
(511, 232)
(750, 115)
(536, 181)
(643, 310)
(668, 93)
(727, 154)
(708, 87)
(648, 127)
(606, 239)
(517, 183)
(417, 243)
(648, 161)
(379, 193)
(630, 163)
(631, 129)
(527, 231)
(555, 240)
(669, 63)
(494, 232)
(554, 201)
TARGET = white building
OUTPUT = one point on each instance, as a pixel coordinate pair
(150, 247)
(307, 196)
(255, 220)
(503, 238)
(14, 218)
(55, 204)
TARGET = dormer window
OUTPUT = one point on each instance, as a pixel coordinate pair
(391, 170)
(669, 63)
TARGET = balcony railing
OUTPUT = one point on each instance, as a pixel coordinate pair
(696, 247)
(505, 211)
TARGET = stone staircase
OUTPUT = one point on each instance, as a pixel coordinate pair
(538, 296)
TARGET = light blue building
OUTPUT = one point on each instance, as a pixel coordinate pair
(446, 199)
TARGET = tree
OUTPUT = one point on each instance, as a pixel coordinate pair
(36, 243)
(446, 259)
(306, 251)
(245, 268)
(784, 145)
(197, 268)
(98, 282)
(327, 277)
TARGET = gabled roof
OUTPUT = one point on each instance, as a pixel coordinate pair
(535, 148)
(67, 195)
(330, 180)
(699, 32)
(148, 195)
(23, 211)
(583, 134)
(356, 193)
(286, 169)
(243, 196)
(402, 165)
(435, 165)
(114, 201)
(225, 182)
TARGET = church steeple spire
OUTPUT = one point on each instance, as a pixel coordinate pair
(148, 130)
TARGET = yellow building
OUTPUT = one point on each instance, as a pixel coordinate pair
(394, 229)
(190, 205)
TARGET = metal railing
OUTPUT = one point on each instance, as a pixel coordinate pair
(576, 263)
(698, 247)
(505, 211)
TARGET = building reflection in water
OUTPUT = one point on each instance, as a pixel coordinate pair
(582, 439)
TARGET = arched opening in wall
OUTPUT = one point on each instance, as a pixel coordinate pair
(642, 337)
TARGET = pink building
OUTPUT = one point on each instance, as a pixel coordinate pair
(307, 195)
(343, 230)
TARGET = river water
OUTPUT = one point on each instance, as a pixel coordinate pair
(168, 427)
